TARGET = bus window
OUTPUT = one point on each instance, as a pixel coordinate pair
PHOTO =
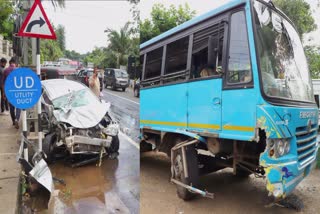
(176, 60)
(200, 66)
(153, 65)
(239, 67)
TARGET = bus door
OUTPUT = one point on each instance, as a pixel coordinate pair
(205, 85)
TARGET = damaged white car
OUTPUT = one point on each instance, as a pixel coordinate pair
(76, 122)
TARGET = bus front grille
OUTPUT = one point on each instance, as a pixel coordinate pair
(306, 144)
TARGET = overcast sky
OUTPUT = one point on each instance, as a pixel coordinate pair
(85, 21)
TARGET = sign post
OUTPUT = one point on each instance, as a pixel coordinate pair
(23, 90)
(37, 25)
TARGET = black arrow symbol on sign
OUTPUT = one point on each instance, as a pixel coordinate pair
(35, 22)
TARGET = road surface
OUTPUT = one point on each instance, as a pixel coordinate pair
(125, 109)
(232, 195)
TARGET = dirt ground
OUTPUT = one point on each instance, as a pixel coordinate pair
(232, 195)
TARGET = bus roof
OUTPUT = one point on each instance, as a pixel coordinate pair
(198, 19)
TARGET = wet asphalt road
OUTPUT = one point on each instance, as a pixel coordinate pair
(113, 187)
(232, 195)
(124, 109)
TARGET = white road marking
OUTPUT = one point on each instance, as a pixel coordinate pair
(129, 139)
(123, 98)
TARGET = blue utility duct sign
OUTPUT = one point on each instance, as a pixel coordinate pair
(23, 88)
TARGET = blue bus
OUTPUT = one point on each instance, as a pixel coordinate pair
(230, 88)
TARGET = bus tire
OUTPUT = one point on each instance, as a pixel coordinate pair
(192, 162)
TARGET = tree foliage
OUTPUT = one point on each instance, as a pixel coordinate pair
(300, 13)
(313, 57)
(52, 50)
(122, 44)
(61, 38)
(163, 19)
(6, 19)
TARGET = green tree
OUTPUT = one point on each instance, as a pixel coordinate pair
(6, 19)
(313, 57)
(163, 19)
(73, 55)
(299, 12)
(61, 37)
(50, 50)
(120, 43)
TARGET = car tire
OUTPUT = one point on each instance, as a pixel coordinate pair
(113, 86)
(136, 92)
(123, 89)
(115, 144)
(48, 147)
(192, 162)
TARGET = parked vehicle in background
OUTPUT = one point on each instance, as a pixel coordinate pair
(116, 78)
(84, 75)
(230, 88)
(136, 88)
(57, 73)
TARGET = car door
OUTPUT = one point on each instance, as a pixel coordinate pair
(80, 75)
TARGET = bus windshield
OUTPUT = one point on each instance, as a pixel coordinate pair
(283, 65)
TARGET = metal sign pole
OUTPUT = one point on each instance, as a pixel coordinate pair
(24, 131)
(39, 102)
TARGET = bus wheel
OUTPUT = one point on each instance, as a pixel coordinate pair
(179, 174)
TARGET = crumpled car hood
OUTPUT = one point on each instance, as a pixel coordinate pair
(83, 117)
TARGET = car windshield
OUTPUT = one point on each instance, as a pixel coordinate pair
(121, 74)
(283, 64)
(75, 99)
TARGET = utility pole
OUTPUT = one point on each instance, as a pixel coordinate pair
(33, 45)
(25, 45)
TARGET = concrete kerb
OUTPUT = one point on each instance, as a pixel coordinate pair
(9, 168)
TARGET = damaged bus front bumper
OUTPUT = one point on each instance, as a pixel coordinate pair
(285, 173)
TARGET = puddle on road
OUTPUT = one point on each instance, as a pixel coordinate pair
(87, 189)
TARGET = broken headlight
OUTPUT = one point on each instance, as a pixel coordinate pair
(278, 147)
(112, 129)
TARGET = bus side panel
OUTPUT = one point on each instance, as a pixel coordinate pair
(238, 114)
(164, 107)
(204, 105)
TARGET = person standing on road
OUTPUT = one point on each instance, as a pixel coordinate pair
(4, 102)
(14, 112)
(94, 83)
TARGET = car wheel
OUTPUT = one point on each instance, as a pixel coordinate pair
(178, 169)
(136, 92)
(114, 147)
(113, 86)
(48, 146)
(123, 89)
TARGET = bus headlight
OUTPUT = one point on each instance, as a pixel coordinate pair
(282, 147)
(279, 147)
